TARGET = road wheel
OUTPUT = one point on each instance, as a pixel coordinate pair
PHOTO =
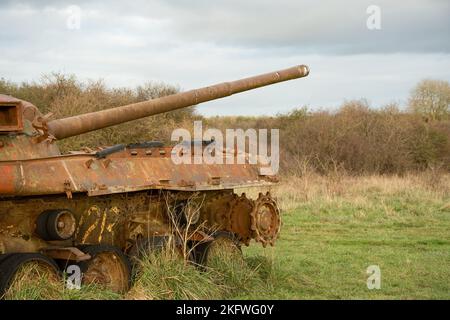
(19, 268)
(225, 246)
(56, 224)
(108, 267)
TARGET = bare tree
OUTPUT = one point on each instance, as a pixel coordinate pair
(431, 98)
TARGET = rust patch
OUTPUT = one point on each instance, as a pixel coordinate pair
(8, 179)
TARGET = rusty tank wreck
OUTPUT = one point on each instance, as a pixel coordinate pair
(100, 209)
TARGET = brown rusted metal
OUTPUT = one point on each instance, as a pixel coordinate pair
(265, 220)
(85, 173)
(76, 125)
(10, 114)
(121, 198)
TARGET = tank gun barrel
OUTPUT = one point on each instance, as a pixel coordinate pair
(72, 126)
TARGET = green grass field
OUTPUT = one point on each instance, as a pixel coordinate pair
(328, 242)
(325, 257)
(333, 229)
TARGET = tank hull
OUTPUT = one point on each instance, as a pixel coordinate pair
(126, 171)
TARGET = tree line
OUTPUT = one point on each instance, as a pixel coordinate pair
(355, 138)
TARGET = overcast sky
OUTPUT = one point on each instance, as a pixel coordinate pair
(197, 43)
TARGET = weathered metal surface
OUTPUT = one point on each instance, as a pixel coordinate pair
(117, 220)
(10, 114)
(248, 219)
(76, 125)
(120, 173)
(22, 146)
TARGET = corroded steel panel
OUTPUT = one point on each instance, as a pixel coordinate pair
(76, 125)
(86, 173)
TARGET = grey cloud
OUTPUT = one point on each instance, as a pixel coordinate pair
(299, 26)
(329, 26)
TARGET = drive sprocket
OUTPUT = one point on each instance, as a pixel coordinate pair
(265, 220)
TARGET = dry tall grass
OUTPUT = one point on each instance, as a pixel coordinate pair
(295, 190)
